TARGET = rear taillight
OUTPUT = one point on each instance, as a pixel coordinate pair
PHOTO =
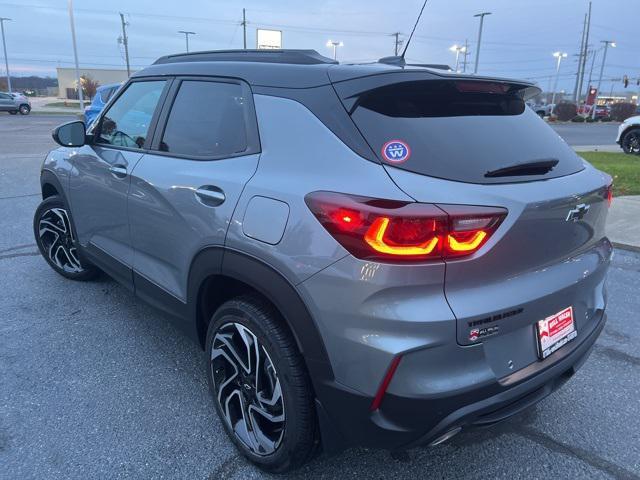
(373, 229)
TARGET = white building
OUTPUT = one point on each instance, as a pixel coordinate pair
(104, 76)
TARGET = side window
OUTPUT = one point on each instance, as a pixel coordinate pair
(105, 94)
(4, 96)
(208, 119)
(126, 123)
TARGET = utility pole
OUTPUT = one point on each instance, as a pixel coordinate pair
(582, 52)
(75, 56)
(584, 57)
(559, 56)
(244, 27)
(4, 46)
(465, 55)
(186, 37)
(125, 42)
(481, 15)
(398, 42)
(604, 59)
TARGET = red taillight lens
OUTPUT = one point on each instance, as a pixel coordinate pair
(470, 227)
(373, 229)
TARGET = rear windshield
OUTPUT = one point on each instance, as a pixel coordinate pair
(469, 131)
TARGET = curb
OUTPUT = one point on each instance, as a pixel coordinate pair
(40, 112)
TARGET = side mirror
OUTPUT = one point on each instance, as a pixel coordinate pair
(70, 134)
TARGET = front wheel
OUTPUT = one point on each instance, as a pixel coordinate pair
(260, 386)
(631, 141)
(24, 109)
(56, 240)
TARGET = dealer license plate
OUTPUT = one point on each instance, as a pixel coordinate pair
(555, 331)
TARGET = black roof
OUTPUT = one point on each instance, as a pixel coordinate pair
(280, 68)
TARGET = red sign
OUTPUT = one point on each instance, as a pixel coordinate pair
(591, 98)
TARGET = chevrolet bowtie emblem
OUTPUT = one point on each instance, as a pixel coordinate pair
(577, 213)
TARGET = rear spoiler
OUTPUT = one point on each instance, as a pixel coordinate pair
(350, 90)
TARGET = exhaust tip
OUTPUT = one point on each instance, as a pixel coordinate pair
(445, 437)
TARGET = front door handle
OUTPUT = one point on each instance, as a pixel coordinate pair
(210, 195)
(119, 171)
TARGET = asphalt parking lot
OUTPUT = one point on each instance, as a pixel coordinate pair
(577, 134)
(96, 384)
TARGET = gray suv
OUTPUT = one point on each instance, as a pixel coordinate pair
(379, 255)
(14, 103)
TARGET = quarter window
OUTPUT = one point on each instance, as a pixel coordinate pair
(105, 95)
(126, 123)
(208, 119)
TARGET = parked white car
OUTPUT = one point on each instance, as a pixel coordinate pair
(629, 135)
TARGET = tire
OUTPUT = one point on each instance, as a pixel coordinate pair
(246, 325)
(56, 239)
(13, 112)
(631, 141)
(24, 109)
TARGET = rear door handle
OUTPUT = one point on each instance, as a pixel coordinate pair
(119, 171)
(210, 195)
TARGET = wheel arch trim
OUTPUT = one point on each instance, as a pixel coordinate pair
(270, 283)
(47, 177)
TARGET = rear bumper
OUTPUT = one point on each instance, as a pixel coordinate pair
(407, 421)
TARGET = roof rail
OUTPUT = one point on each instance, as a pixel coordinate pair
(298, 57)
(435, 66)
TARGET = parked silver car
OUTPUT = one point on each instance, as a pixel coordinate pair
(14, 103)
(378, 255)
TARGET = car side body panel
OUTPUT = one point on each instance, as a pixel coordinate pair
(297, 151)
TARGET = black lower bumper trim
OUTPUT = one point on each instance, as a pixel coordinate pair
(408, 422)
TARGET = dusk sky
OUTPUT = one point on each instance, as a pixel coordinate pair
(518, 40)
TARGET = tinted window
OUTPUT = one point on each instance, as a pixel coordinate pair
(5, 96)
(106, 94)
(208, 119)
(126, 123)
(459, 130)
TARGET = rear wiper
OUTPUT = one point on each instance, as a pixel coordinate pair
(539, 167)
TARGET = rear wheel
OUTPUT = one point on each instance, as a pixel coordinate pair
(56, 240)
(260, 386)
(13, 112)
(631, 141)
(24, 109)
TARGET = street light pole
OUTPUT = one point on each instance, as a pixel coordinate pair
(335, 45)
(481, 15)
(186, 37)
(75, 56)
(4, 46)
(604, 59)
(458, 49)
(559, 56)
